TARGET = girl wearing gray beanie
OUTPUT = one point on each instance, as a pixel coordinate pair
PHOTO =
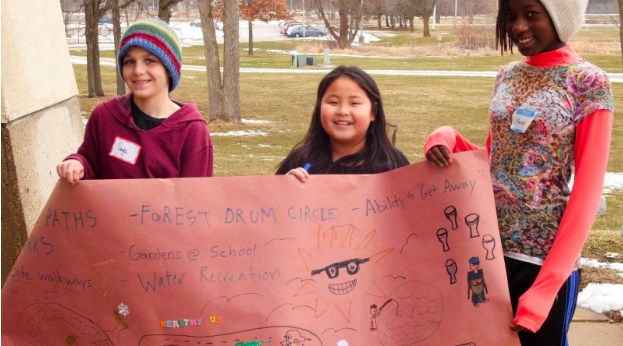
(551, 112)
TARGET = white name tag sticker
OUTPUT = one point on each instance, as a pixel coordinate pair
(125, 150)
(522, 118)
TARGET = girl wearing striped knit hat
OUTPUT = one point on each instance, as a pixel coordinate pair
(552, 111)
(144, 134)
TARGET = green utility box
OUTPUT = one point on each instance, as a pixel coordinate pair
(299, 60)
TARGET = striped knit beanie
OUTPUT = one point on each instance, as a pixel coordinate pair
(567, 16)
(158, 38)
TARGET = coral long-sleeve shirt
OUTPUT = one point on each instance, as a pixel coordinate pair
(592, 143)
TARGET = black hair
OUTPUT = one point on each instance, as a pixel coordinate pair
(502, 40)
(378, 154)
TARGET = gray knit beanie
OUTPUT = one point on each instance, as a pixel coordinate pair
(567, 16)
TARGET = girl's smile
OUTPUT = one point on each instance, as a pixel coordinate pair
(346, 114)
(530, 27)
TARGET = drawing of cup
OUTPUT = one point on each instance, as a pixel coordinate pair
(489, 244)
(451, 215)
(472, 221)
(452, 269)
(442, 235)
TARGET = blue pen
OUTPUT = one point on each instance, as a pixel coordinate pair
(307, 167)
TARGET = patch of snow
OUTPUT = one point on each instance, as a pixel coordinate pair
(187, 33)
(601, 297)
(593, 263)
(75, 25)
(253, 121)
(278, 51)
(239, 133)
(611, 182)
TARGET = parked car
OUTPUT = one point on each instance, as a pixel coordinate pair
(197, 24)
(283, 23)
(298, 31)
(286, 26)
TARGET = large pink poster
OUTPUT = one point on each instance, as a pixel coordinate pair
(408, 257)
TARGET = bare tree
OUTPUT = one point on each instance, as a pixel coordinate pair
(93, 11)
(621, 25)
(375, 8)
(223, 93)
(69, 9)
(426, 9)
(116, 28)
(164, 9)
(408, 9)
(471, 8)
(350, 13)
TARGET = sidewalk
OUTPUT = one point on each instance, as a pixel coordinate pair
(614, 77)
(589, 328)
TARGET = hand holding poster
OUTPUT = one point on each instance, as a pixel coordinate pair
(408, 257)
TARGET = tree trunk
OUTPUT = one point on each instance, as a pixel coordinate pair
(438, 15)
(350, 19)
(426, 19)
(250, 37)
(426, 14)
(231, 61)
(215, 87)
(387, 21)
(223, 95)
(379, 21)
(393, 22)
(621, 29)
(116, 27)
(343, 11)
(411, 27)
(164, 14)
(94, 77)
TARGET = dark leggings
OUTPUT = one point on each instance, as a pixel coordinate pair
(521, 276)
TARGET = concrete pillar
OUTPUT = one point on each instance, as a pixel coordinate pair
(41, 121)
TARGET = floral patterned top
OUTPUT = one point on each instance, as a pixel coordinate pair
(531, 171)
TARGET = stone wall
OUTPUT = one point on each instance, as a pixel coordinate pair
(41, 122)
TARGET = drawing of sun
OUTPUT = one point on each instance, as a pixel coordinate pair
(342, 269)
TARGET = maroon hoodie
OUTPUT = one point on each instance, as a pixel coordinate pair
(115, 148)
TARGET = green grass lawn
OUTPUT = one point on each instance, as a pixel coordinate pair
(264, 58)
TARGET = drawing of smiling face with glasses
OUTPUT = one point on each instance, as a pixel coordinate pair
(333, 271)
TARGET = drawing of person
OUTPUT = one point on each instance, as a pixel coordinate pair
(476, 282)
(375, 313)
